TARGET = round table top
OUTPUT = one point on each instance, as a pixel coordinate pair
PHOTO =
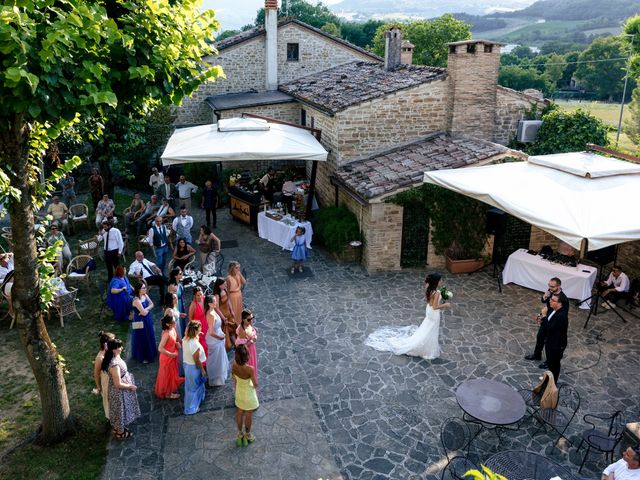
(520, 465)
(490, 401)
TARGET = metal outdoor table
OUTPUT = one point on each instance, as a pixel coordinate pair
(520, 465)
(490, 401)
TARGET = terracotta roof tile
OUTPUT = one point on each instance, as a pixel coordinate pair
(340, 87)
(403, 166)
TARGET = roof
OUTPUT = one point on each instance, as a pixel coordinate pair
(259, 30)
(232, 101)
(349, 84)
(404, 166)
(469, 42)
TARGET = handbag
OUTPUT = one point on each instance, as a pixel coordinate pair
(139, 325)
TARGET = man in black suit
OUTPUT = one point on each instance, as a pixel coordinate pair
(555, 288)
(557, 326)
(167, 190)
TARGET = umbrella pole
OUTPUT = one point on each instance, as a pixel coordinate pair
(312, 190)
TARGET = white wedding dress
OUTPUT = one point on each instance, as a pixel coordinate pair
(419, 341)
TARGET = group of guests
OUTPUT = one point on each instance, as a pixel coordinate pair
(194, 343)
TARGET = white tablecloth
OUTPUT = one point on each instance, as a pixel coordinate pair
(280, 233)
(532, 271)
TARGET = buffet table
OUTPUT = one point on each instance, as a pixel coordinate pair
(282, 231)
(532, 271)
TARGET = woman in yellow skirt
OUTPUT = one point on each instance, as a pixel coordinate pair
(244, 379)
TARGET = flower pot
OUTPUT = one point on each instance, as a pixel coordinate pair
(463, 266)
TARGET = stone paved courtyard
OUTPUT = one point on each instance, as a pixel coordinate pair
(333, 408)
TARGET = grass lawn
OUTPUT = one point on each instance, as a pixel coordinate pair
(83, 455)
(609, 113)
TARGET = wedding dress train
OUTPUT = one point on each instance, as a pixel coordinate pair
(419, 341)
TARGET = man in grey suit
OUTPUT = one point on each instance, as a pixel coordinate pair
(167, 190)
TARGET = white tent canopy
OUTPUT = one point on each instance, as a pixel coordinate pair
(241, 139)
(595, 201)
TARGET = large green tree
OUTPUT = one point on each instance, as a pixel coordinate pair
(72, 59)
(632, 124)
(430, 38)
(520, 79)
(315, 15)
(602, 68)
(563, 132)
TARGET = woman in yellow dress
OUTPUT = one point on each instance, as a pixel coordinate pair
(245, 382)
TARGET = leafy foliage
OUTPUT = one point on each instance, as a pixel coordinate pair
(458, 223)
(335, 227)
(632, 125)
(485, 474)
(315, 15)
(430, 38)
(563, 132)
(604, 78)
(520, 79)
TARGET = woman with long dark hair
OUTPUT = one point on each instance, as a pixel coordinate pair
(419, 341)
(217, 361)
(246, 397)
(176, 286)
(120, 295)
(168, 380)
(225, 310)
(194, 373)
(196, 313)
(123, 400)
(143, 337)
(102, 378)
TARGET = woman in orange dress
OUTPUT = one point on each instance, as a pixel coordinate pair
(225, 311)
(235, 282)
(196, 312)
(168, 379)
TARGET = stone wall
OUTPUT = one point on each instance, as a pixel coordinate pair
(244, 67)
(384, 123)
(287, 112)
(383, 241)
(509, 110)
(629, 258)
(474, 79)
(540, 238)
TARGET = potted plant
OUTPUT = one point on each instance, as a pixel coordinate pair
(458, 228)
(336, 228)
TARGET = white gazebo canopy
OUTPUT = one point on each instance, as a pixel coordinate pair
(242, 139)
(573, 196)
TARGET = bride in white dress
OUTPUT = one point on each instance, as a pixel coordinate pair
(419, 341)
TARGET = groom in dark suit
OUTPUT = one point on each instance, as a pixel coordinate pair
(557, 325)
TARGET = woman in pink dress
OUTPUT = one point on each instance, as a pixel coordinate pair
(247, 335)
(168, 379)
(196, 312)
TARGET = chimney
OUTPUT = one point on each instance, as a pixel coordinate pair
(473, 78)
(392, 46)
(406, 56)
(271, 44)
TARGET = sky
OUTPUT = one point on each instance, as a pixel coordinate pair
(233, 14)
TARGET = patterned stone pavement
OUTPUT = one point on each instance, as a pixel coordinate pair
(333, 408)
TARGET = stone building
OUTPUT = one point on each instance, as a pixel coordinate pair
(383, 121)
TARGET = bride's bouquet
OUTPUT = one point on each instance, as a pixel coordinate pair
(446, 294)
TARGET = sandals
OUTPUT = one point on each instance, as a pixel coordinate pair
(250, 438)
(293, 270)
(122, 435)
(240, 439)
(300, 268)
(244, 439)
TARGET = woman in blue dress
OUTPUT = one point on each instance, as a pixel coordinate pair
(143, 338)
(299, 253)
(120, 295)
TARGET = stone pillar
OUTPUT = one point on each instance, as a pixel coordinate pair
(392, 48)
(473, 71)
(406, 56)
(271, 44)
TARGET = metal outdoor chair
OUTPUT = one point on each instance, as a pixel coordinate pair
(187, 266)
(79, 213)
(604, 435)
(213, 264)
(559, 418)
(76, 266)
(456, 436)
(65, 305)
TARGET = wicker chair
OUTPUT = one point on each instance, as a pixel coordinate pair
(81, 262)
(79, 213)
(90, 246)
(133, 218)
(65, 304)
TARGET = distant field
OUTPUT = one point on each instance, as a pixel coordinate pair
(608, 113)
(542, 31)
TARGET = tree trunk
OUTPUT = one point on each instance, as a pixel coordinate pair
(41, 352)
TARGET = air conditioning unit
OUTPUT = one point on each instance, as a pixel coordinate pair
(528, 130)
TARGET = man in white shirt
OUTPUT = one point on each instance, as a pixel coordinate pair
(147, 271)
(185, 189)
(627, 468)
(156, 179)
(113, 245)
(158, 236)
(615, 287)
(182, 225)
(59, 212)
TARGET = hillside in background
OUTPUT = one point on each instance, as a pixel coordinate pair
(613, 10)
